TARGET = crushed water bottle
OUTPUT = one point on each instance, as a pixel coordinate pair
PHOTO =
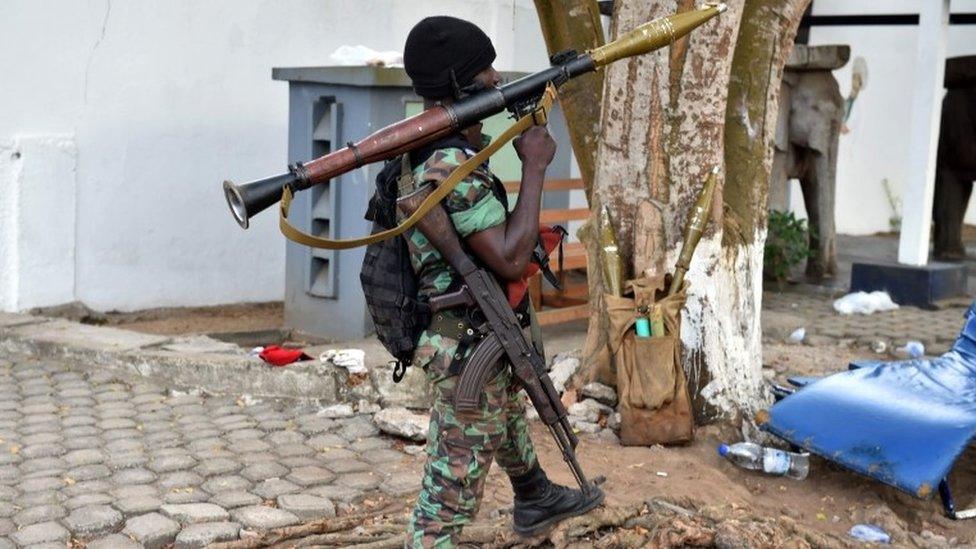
(774, 461)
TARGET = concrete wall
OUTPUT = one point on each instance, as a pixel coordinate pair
(877, 145)
(127, 115)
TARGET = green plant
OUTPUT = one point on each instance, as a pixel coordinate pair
(787, 245)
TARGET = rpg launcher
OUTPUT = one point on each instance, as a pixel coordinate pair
(518, 97)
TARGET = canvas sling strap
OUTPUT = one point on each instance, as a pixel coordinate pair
(536, 118)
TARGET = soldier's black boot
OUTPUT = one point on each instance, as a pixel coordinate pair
(540, 503)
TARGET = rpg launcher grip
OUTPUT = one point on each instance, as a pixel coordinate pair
(247, 200)
(505, 332)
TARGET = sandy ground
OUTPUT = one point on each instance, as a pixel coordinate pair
(830, 500)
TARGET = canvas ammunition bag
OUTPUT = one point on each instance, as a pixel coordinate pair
(653, 399)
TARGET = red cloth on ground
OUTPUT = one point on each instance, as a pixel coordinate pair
(551, 237)
(277, 356)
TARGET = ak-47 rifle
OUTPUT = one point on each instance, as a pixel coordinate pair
(519, 97)
(502, 335)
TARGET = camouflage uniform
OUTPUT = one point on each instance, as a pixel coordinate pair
(460, 448)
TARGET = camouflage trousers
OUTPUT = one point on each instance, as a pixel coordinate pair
(460, 450)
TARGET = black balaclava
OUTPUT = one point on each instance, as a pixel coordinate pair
(443, 54)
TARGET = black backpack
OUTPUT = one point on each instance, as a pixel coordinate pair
(388, 280)
(389, 283)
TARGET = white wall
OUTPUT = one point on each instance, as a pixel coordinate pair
(162, 101)
(877, 145)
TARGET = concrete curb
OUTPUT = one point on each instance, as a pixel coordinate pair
(222, 371)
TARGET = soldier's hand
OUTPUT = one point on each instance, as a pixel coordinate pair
(535, 147)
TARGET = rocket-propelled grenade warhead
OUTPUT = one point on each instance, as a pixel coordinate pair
(655, 34)
(249, 199)
(697, 222)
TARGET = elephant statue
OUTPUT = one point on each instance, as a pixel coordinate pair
(955, 166)
(811, 114)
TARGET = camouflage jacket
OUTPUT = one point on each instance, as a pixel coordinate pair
(472, 207)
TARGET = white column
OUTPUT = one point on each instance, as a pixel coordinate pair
(933, 32)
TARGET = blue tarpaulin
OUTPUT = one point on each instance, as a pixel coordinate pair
(903, 423)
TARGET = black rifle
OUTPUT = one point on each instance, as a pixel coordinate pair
(504, 336)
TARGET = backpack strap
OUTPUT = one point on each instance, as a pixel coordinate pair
(536, 118)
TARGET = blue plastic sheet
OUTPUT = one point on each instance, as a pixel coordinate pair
(903, 423)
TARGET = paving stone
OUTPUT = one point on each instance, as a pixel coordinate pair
(8, 509)
(124, 446)
(262, 518)
(335, 493)
(42, 451)
(43, 513)
(179, 479)
(116, 423)
(281, 438)
(315, 425)
(118, 412)
(336, 454)
(202, 535)
(359, 481)
(292, 450)
(231, 500)
(82, 443)
(7, 527)
(307, 507)
(114, 541)
(182, 496)
(200, 433)
(37, 499)
(87, 499)
(226, 483)
(194, 513)
(168, 464)
(274, 425)
(152, 530)
(369, 444)
(263, 471)
(311, 476)
(136, 475)
(272, 488)
(54, 472)
(230, 420)
(89, 472)
(86, 487)
(244, 434)
(205, 444)
(84, 457)
(8, 493)
(37, 419)
(93, 520)
(135, 490)
(400, 485)
(40, 484)
(218, 466)
(127, 460)
(43, 532)
(383, 456)
(120, 434)
(249, 446)
(33, 465)
(41, 438)
(137, 505)
(81, 431)
(347, 465)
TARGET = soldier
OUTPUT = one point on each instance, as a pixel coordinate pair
(446, 58)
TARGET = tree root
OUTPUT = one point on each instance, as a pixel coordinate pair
(653, 524)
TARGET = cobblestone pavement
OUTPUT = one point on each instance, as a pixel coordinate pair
(786, 311)
(97, 457)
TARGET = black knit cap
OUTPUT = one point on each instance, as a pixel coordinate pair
(436, 46)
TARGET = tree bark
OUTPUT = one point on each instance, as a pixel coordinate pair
(575, 24)
(663, 129)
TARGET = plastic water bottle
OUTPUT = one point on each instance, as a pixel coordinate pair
(774, 461)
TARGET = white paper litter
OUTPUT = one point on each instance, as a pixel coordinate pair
(353, 360)
(798, 335)
(864, 303)
(360, 55)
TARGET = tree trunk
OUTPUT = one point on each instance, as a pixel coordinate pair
(575, 24)
(663, 129)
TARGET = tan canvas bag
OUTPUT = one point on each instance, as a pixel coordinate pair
(653, 399)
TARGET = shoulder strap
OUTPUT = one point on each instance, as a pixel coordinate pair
(538, 117)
